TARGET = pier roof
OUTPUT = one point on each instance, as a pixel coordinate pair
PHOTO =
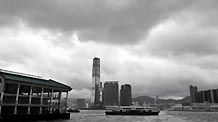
(21, 77)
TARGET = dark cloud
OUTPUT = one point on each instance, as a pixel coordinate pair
(185, 40)
(159, 47)
(197, 41)
(94, 19)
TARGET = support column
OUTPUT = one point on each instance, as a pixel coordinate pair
(51, 105)
(41, 100)
(2, 93)
(67, 96)
(66, 102)
(59, 100)
(30, 98)
(16, 101)
(1, 100)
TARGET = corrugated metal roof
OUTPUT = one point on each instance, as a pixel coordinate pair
(34, 80)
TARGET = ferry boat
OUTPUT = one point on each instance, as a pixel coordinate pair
(132, 110)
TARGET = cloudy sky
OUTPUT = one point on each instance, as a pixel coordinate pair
(160, 47)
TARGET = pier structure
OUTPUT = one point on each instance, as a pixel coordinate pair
(23, 95)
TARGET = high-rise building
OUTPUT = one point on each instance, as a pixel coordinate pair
(125, 95)
(201, 96)
(206, 96)
(215, 95)
(96, 85)
(209, 96)
(111, 93)
(193, 93)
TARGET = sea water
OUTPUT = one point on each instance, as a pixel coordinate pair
(164, 116)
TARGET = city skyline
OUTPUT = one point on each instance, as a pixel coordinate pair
(149, 44)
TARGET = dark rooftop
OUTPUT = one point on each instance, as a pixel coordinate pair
(16, 76)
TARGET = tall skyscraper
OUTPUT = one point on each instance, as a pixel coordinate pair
(96, 85)
(111, 93)
(125, 95)
(193, 93)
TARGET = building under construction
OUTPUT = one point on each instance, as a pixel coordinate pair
(96, 84)
(28, 97)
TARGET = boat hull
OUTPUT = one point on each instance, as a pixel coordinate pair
(73, 111)
(138, 113)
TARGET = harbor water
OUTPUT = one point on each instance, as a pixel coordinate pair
(164, 116)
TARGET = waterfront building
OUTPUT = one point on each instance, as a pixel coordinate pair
(24, 94)
(96, 84)
(201, 95)
(215, 95)
(193, 93)
(125, 95)
(206, 96)
(81, 103)
(111, 93)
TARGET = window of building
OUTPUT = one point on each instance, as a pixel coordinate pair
(9, 99)
(35, 100)
(46, 101)
(23, 100)
(47, 92)
(34, 110)
(22, 110)
(11, 88)
(7, 110)
(24, 90)
(45, 110)
(56, 94)
(36, 91)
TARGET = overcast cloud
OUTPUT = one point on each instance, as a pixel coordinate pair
(160, 47)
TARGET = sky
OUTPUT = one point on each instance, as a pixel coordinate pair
(160, 47)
